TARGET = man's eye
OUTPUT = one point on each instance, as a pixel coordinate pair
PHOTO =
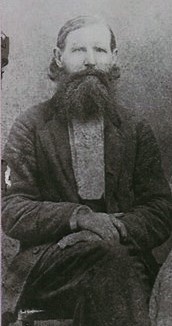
(100, 50)
(79, 49)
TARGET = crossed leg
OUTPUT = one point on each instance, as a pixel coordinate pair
(94, 285)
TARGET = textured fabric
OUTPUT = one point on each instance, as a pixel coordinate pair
(87, 282)
(161, 298)
(87, 149)
(37, 207)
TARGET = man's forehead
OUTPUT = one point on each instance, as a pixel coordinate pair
(97, 33)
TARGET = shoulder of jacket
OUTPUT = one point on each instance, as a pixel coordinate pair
(131, 118)
(37, 115)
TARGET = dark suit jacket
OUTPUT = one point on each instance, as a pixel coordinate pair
(43, 194)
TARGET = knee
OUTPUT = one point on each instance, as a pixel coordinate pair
(118, 256)
(111, 268)
(120, 251)
(115, 258)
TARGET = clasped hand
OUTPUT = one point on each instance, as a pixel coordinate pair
(94, 227)
(101, 224)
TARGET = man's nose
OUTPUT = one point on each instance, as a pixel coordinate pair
(90, 60)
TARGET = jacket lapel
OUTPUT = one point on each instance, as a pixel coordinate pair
(55, 141)
(114, 158)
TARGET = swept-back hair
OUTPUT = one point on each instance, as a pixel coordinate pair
(77, 23)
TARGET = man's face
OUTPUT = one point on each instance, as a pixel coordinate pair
(88, 47)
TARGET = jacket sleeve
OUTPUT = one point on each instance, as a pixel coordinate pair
(149, 222)
(24, 215)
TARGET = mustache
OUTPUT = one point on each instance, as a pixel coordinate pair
(103, 77)
(59, 74)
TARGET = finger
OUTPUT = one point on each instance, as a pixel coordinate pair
(120, 227)
(111, 232)
(118, 215)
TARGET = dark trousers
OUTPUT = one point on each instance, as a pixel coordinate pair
(92, 284)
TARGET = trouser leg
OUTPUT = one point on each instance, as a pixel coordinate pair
(117, 293)
(92, 285)
(57, 281)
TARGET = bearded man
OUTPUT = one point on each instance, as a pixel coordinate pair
(85, 192)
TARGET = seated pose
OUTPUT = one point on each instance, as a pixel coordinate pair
(84, 192)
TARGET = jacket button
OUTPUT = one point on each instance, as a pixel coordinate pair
(35, 250)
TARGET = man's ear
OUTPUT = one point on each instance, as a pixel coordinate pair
(57, 56)
(115, 56)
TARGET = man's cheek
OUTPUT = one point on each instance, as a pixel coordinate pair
(75, 65)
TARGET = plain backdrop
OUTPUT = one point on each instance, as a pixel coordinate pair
(143, 31)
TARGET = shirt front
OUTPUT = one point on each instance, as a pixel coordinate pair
(87, 151)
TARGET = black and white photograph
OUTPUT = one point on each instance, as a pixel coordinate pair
(86, 163)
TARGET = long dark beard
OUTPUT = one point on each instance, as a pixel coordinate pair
(86, 94)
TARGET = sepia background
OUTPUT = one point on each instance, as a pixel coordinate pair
(143, 30)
